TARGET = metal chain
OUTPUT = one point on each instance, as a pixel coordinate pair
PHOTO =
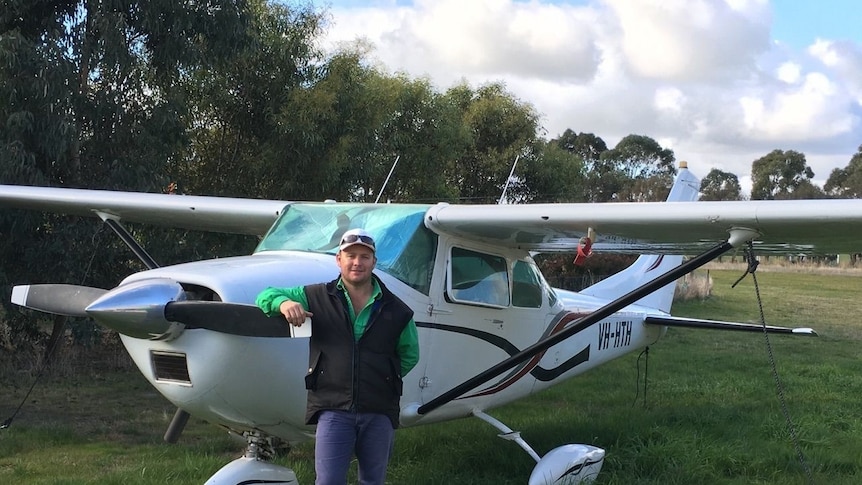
(644, 353)
(780, 388)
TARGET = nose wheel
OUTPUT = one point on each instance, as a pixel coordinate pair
(254, 466)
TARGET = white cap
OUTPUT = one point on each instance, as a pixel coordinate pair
(357, 236)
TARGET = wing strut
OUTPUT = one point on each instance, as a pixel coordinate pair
(583, 322)
(130, 241)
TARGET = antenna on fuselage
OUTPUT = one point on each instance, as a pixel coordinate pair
(509, 179)
(387, 178)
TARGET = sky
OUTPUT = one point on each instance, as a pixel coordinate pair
(720, 82)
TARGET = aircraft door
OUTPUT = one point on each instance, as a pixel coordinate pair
(486, 307)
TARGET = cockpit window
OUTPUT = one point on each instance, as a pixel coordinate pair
(405, 247)
(478, 278)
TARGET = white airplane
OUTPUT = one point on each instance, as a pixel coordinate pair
(491, 329)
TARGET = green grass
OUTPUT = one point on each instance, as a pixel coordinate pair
(711, 412)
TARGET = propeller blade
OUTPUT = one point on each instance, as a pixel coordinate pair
(231, 318)
(70, 300)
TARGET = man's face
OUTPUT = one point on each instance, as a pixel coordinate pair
(356, 263)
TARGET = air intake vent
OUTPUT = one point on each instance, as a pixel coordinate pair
(170, 367)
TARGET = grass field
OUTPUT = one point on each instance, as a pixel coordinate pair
(711, 412)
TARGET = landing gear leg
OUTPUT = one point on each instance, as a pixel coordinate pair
(569, 464)
(252, 467)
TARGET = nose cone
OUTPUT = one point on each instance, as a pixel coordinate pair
(138, 309)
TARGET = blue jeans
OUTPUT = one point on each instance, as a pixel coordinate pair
(340, 435)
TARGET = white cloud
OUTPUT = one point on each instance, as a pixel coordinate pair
(702, 76)
(669, 100)
(489, 38)
(690, 39)
(845, 60)
(789, 72)
(811, 111)
(825, 51)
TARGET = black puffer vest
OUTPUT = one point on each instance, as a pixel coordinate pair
(346, 374)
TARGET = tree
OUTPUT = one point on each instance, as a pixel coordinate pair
(720, 185)
(778, 174)
(265, 116)
(427, 132)
(500, 128)
(846, 182)
(805, 190)
(553, 175)
(91, 99)
(404, 120)
(636, 169)
(586, 145)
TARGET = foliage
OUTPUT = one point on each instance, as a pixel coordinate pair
(91, 101)
(585, 145)
(846, 182)
(779, 174)
(637, 169)
(255, 123)
(720, 185)
(552, 175)
(500, 129)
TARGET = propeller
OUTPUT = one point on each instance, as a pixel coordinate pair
(121, 311)
(57, 299)
(230, 318)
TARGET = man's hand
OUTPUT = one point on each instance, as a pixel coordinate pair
(293, 312)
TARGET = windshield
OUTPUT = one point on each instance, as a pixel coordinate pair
(405, 247)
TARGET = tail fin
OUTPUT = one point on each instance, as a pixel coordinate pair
(648, 267)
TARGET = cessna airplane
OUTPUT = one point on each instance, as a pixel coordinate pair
(491, 329)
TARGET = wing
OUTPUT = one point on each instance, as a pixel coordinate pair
(217, 214)
(805, 226)
(798, 226)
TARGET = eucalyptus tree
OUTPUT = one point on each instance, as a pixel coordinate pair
(778, 174)
(636, 169)
(846, 182)
(588, 146)
(500, 129)
(90, 99)
(424, 132)
(555, 174)
(720, 185)
(262, 125)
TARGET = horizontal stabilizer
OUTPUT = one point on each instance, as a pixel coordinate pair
(69, 300)
(718, 325)
(230, 318)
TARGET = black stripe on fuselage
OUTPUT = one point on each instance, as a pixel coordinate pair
(538, 372)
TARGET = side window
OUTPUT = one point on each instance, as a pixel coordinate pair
(526, 285)
(478, 278)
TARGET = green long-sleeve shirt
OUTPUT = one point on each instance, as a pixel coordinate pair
(270, 299)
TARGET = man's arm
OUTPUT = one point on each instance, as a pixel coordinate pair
(408, 347)
(270, 299)
(289, 302)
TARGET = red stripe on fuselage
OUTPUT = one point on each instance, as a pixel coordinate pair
(528, 366)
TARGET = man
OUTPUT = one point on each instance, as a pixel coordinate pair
(363, 340)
